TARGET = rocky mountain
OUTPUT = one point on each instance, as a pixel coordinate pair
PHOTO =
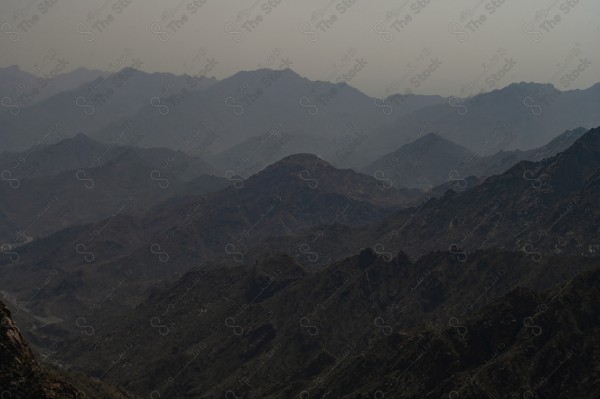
(253, 104)
(503, 160)
(536, 207)
(403, 104)
(559, 144)
(302, 200)
(45, 159)
(297, 194)
(256, 153)
(25, 89)
(519, 116)
(318, 214)
(265, 289)
(22, 376)
(523, 344)
(79, 180)
(273, 329)
(89, 107)
(424, 163)
(432, 160)
(533, 207)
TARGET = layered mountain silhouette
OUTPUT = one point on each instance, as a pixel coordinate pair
(519, 116)
(83, 152)
(93, 105)
(289, 198)
(304, 206)
(255, 153)
(534, 206)
(79, 180)
(254, 103)
(255, 286)
(293, 195)
(270, 236)
(424, 163)
(502, 160)
(163, 110)
(25, 89)
(240, 107)
(432, 160)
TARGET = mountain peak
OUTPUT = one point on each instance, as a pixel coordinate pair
(258, 73)
(303, 160)
(520, 89)
(12, 68)
(79, 140)
(434, 140)
(430, 138)
(422, 163)
(81, 137)
(528, 86)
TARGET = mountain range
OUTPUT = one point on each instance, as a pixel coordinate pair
(78, 180)
(232, 120)
(24, 88)
(221, 281)
(518, 116)
(432, 160)
(269, 236)
(359, 128)
(91, 106)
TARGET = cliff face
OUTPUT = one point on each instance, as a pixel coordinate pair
(20, 374)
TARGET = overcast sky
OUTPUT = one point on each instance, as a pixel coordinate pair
(379, 46)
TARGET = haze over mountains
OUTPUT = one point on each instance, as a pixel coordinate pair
(269, 236)
(79, 180)
(335, 121)
(90, 106)
(25, 89)
(299, 225)
(432, 160)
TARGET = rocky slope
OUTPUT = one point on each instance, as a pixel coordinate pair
(20, 374)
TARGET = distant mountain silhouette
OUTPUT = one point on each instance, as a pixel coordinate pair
(255, 153)
(288, 198)
(24, 88)
(532, 207)
(92, 106)
(49, 159)
(252, 104)
(432, 160)
(82, 152)
(423, 164)
(502, 160)
(403, 104)
(79, 180)
(276, 273)
(519, 116)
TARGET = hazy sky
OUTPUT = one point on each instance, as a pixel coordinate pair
(379, 46)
